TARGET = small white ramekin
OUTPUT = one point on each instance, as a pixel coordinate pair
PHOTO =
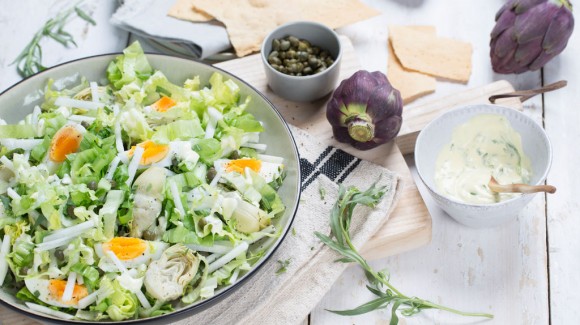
(438, 132)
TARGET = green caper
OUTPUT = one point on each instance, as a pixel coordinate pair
(293, 41)
(293, 68)
(302, 56)
(211, 173)
(59, 254)
(314, 63)
(276, 44)
(70, 211)
(149, 235)
(299, 67)
(92, 185)
(284, 45)
(298, 57)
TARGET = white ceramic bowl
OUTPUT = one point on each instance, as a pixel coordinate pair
(304, 88)
(436, 134)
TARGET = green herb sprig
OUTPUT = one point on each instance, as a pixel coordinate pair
(283, 266)
(29, 61)
(340, 241)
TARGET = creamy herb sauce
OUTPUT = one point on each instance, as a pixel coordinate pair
(485, 145)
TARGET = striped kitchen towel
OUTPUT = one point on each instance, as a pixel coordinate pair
(288, 298)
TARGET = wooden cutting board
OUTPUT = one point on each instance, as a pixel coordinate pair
(409, 226)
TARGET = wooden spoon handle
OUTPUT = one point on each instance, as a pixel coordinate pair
(527, 94)
(519, 188)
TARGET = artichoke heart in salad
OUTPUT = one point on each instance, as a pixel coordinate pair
(135, 196)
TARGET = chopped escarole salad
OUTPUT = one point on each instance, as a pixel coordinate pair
(133, 198)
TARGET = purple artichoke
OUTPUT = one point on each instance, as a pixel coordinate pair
(529, 33)
(365, 110)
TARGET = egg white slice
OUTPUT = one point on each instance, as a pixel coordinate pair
(152, 251)
(50, 292)
(268, 170)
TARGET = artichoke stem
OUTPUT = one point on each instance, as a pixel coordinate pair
(361, 131)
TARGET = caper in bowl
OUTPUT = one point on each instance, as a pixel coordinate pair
(298, 57)
(302, 60)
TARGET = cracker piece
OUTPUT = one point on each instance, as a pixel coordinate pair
(437, 56)
(411, 84)
(183, 9)
(249, 21)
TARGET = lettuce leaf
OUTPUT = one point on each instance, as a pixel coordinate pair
(121, 304)
(209, 150)
(129, 67)
(17, 131)
(178, 130)
(134, 123)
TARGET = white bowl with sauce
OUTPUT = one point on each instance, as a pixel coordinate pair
(438, 134)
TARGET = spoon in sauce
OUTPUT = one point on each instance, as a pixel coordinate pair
(519, 188)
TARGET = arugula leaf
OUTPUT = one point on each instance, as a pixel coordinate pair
(340, 241)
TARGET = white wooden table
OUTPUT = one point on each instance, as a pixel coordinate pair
(525, 272)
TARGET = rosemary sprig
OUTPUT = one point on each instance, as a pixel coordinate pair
(339, 240)
(29, 61)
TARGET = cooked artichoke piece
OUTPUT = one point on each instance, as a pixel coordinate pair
(167, 277)
(147, 202)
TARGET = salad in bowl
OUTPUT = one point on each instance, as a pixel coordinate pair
(134, 196)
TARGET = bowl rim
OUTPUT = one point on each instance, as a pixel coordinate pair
(301, 22)
(454, 111)
(190, 310)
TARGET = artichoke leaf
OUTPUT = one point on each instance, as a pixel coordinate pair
(147, 201)
(167, 277)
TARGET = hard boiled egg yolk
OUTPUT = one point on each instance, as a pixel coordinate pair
(239, 165)
(152, 153)
(56, 289)
(126, 248)
(163, 104)
(65, 141)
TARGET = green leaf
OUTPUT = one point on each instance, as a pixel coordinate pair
(17, 131)
(86, 17)
(372, 305)
(340, 220)
(394, 317)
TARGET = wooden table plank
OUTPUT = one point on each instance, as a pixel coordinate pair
(501, 270)
(562, 118)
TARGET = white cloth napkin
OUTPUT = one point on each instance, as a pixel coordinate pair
(287, 298)
(149, 19)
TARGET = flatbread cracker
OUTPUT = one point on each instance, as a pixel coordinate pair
(249, 21)
(183, 9)
(437, 56)
(411, 84)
